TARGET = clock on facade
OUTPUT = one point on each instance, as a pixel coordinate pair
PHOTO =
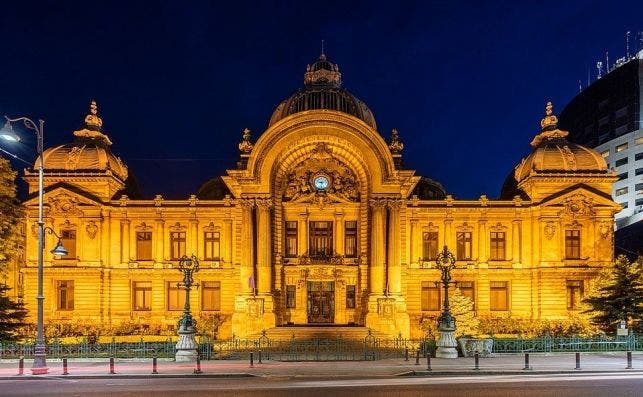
(321, 182)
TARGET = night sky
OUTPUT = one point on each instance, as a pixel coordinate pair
(177, 82)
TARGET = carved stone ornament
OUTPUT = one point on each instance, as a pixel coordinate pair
(64, 204)
(605, 229)
(321, 179)
(246, 146)
(578, 205)
(395, 146)
(91, 229)
(143, 227)
(386, 307)
(255, 307)
(550, 229)
(73, 157)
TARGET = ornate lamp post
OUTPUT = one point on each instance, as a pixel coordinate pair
(446, 323)
(39, 363)
(186, 347)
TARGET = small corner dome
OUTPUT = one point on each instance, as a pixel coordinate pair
(89, 152)
(323, 90)
(553, 153)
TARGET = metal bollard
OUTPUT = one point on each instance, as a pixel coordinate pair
(252, 359)
(406, 354)
(428, 361)
(417, 357)
(259, 357)
(629, 360)
(577, 360)
(198, 365)
(111, 366)
(65, 372)
(527, 362)
(154, 366)
(21, 366)
(476, 361)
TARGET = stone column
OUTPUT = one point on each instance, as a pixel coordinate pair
(264, 246)
(377, 246)
(339, 234)
(193, 238)
(302, 234)
(394, 265)
(159, 237)
(125, 223)
(449, 237)
(226, 241)
(105, 238)
(482, 241)
(515, 241)
(246, 269)
(415, 241)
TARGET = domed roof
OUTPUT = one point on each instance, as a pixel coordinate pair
(552, 153)
(89, 151)
(322, 90)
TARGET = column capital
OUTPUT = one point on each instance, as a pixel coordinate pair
(378, 203)
(246, 203)
(263, 203)
(394, 204)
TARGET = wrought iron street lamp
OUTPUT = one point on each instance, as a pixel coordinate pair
(40, 359)
(186, 347)
(446, 344)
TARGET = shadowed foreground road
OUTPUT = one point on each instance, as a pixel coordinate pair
(612, 384)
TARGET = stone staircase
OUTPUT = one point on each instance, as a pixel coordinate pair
(308, 332)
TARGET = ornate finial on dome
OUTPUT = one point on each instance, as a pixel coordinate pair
(92, 120)
(246, 146)
(395, 146)
(549, 127)
(322, 56)
(549, 121)
(323, 72)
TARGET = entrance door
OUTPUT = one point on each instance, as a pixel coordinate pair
(321, 302)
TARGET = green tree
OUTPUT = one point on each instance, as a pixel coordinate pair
(12, 316)
(461, 308)
(10, 215)
(618, 295)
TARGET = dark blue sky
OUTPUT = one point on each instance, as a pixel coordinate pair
(176, 82)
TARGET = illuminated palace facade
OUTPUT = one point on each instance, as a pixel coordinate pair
(319, 223)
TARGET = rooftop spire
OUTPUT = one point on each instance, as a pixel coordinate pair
(322, 56)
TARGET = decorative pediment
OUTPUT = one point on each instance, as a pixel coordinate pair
(143, 227)
(64, 204)
(211, 227)
(578, 205)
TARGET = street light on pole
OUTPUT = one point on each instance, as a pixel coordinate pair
(446, 344)
(186, 347)
(40, 351)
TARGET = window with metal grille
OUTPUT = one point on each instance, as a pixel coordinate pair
(350, 297)
(291, 296)
(321, 239)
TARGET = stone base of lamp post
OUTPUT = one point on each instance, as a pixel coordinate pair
(446, 345)
(186, 347)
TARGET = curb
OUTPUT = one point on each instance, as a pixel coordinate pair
(128, 376)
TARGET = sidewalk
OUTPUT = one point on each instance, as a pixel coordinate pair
(541, 363)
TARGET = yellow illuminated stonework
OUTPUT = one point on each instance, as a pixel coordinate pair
(320, 225)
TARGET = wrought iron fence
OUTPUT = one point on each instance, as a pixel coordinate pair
(548, 344)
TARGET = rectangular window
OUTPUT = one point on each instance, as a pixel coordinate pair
(463, 245)
(291, 239)
(605, 153)
(212, 246)
(350, 297)
(622, 176)
(142, 293)
(350, 239)
(574, 294)
(624, 204)
(144, 246)
(175, 296)
(639, 201)
(429, 246)
(321, 239)
(498, 244)
(291, 296)
(430, 298)
(621, 147)
(621, 191)
(638, 171)
(638, 141)
(177, 245)
(467, 289)
(621, 162)
(210, 295)
(68, 240)
(638, 156)
(572, 244)
(498, 295)
(65, 294)
(638, 187)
